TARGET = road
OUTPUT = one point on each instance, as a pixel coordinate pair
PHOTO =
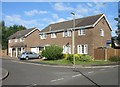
(22, 73)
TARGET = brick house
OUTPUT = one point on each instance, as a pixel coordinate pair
(90, 33)
(24, 40)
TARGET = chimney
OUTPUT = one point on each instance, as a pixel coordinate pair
(50, 28)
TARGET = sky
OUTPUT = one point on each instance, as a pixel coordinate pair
(41, 14)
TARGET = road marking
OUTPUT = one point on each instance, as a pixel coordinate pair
(60, 79)
(76, 75)
(102, 69)
(90, 72)
(31, 85)
(53, 80)
(57, 80)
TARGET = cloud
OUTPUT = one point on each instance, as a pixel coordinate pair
(17, 19)
(55, 16)
(34, 12)
(62, 7)
(53, 19)
(89, 4)
(81, 9)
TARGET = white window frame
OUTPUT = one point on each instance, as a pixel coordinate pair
(21, 39)
(82, 49)
(10, 41)
(53, 35)
(67, 33)
(43, 36)
(81, 32)
(67, 49)
(102, 32)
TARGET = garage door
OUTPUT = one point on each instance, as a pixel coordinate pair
(36, 50)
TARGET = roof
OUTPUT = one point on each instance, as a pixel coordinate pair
(20, 44)
(80, 22)
(21, 33)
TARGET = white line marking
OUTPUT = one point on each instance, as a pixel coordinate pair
(57, 80)
(102, 69)
(76, 75)
(90, 72)
(53, 80)
(60, 79)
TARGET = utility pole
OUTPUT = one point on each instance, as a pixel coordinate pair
(73, 38)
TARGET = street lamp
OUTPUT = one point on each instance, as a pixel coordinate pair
(73, 38)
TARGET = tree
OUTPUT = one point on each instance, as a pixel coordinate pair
(52, 52)
(5, 32)
(117, 38)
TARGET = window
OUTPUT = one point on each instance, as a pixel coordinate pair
(67, 49)
(16, 40)
(81, 32)
(53, 35)
(43, 36)
(67, 33)
(82, 49)
(101, 32)
(21, 39)
(9, 41)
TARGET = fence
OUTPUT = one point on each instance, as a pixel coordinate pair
(105, 54)
(3, 53)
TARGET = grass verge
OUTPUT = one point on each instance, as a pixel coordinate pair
(66, 62)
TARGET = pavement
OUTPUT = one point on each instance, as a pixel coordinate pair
(5, 73)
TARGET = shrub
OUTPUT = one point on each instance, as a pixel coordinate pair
(114, 58)
(69, 57)
(78, 57)
(85, 58)
(52, 52)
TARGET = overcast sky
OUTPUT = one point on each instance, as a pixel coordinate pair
(41, 14)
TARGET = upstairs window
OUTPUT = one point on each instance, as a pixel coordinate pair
(43, 36)
(9, 41)
(81, 32)
(21, 39)
(67, 33)
(53, 35)
(101, 32)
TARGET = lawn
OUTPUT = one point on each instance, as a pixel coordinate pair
(65, 62)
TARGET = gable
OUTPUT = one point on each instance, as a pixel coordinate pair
(105, 19)
(22, 33)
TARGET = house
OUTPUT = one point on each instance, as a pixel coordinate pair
(90, 33)
(24, 40)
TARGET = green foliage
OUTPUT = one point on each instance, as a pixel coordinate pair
(52, 52)
(5, 32)
(85, 58)
(69, 57)
(114, 58)
(78, 57)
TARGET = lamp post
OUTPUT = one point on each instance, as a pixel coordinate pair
(73, 38)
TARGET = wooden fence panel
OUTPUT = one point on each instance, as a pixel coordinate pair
(99, 54)
(118, 52)
(102, 54)
(110, 53)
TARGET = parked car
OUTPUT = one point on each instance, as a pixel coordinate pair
(28, 55)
